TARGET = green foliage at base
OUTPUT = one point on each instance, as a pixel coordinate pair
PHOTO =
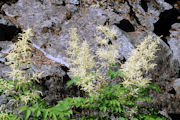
(6, 116)
(112, 101)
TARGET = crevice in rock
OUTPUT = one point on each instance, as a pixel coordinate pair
(63, 4)
(171, 1)
(178, 74)
(7, 33)
(133, 14)
(163, 25)
(54, 89)
(144, 5)
(125, 25)
(172, 91)
(9, 2)
(175, 116)
(165, 40)
(166, 19)
(64, 68)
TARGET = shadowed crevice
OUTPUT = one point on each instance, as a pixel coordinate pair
(166, 19)
(171, 1)
(8, 32)
(175, 116)
(144, 5)
(125, 25)
(9, 2)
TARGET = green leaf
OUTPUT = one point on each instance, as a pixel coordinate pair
(155, 87)
(27, 114)
(148, 99)
(45, 113)
(54, 117)
(120, 73)
(111, 74)
(104, 109)
(73, 80)
(37, 113)
(34, 107)
(23, 108)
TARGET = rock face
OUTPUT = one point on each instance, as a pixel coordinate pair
(132, 20)
(174, 40)
(52, 27)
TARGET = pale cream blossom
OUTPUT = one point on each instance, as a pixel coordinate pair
(83, 62)
(19, 57)
(109, 33)
(141, 62)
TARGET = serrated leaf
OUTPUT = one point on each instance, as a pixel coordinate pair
(120, 73)
(156, 87)
(23, 108)
(111, 74)
(37, 113)
(27, 114)
(73, 80)
(54, 117)
(45, 113)
(104, 109)
(148, 99)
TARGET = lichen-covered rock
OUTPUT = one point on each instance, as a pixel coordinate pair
(4, 45)
(154, 8)
(75, 2)
(176, 86)
(51, 30)
(174, 41)
(71, 8)
(166, 70)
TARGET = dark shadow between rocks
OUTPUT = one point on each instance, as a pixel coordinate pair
(175, 116)
(125, 25)
(166, 19)
(171, 1)
(144, 5)
(9, 2)
(55, 89)
(163, 25)
(8, 32)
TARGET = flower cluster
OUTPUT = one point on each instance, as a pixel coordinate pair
(19, 58)
(91, 72)
(140, 62)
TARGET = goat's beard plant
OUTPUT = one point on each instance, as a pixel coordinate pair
(91, 72)
(21, 86)
(139, 64)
